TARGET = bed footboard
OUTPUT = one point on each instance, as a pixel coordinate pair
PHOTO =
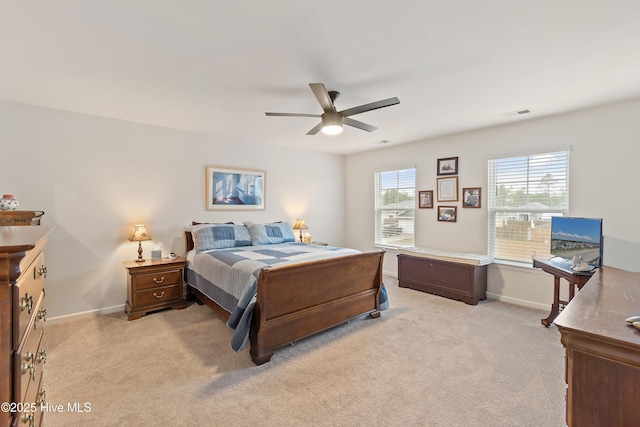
(297, 301)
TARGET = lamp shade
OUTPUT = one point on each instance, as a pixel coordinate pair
(300, 225)
(139, 234)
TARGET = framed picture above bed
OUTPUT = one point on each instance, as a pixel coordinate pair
(234, 189)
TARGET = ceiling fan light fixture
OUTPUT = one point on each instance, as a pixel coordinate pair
(331, 124)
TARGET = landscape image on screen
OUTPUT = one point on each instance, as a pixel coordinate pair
(577, 237)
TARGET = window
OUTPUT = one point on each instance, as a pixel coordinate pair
(524, 193)
(395, 204)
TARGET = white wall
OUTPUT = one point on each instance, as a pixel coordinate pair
(604, 171)
(96, 177)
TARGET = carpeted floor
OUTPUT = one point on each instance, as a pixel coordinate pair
(427, 361)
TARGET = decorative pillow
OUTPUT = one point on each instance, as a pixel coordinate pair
(219, 236)
(271, 233)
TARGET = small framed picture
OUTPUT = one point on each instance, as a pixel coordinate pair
(471, 197)
(448, 189)
(448, 166)
(447, 213)
(425, 199)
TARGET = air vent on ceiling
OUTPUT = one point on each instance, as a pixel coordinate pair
(517, 113)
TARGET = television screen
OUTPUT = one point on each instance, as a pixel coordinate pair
(582, 237)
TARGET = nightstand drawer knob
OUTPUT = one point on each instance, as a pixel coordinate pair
(158, 296)
(158, 281)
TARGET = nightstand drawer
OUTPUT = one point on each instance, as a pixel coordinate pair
(158, 295)
(156, 279)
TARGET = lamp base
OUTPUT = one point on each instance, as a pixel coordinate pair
(140, 259)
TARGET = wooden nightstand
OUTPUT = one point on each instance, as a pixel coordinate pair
(153, 285)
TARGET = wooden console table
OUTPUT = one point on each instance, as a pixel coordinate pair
(575, 278)
(603, 351)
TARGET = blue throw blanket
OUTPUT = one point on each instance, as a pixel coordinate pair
(240, 319)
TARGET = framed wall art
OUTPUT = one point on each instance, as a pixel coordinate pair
(448, 189)
(471, 197)
(425, 199)
(448, 166)
(447, 213)
(234, 189)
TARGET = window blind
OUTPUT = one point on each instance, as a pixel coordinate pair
(525, 191)
(395, 201)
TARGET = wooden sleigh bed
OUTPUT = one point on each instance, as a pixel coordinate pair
(299, 300)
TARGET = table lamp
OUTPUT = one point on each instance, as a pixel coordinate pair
(139, 234)
(300, 225)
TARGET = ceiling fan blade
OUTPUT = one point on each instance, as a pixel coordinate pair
(371, 106)
(315, 129)
(323, 97)
(293, 115)
(358, 124)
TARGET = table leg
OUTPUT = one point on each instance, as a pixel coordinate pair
(572, 290)
(555, 307)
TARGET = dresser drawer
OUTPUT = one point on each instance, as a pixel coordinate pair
(28, 291)
(160, 295)
(28, 360)
(34, 399)
(156, 279)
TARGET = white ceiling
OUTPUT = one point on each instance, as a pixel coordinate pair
(216, 66)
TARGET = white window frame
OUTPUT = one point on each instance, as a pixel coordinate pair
(395, 223)
(519, 224)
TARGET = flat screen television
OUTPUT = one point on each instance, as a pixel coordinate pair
(571, 236)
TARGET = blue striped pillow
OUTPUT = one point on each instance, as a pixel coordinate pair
(271, 233)
(219, 236)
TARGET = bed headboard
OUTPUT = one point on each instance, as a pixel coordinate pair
(189, 240)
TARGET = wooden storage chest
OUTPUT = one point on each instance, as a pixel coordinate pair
(449, 274)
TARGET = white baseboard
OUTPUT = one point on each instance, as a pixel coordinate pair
(497, 297)
(393, 274)
(85, 314)
(518, 301)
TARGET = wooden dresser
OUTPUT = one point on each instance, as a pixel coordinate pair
(22, 313)
(603, 351)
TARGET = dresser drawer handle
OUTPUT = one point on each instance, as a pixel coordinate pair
(158, 281)
(42, 357)
(29, 418)
(43, 397)
(26, 302)
(29, 368)
(158, 296)
(38, 272)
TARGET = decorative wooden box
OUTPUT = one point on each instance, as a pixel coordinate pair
(20, 217)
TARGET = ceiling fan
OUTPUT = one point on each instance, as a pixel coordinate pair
(332, 120)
